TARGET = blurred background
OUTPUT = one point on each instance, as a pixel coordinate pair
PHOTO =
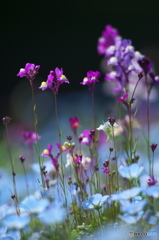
(64, 34)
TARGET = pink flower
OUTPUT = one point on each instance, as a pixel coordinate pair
(151, 180)
(123, 98)
(54, 80)
(85, 137)
(74, 123)
(91, 79)
(30, 137)
(30, 71)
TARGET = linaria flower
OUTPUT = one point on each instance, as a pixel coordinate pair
(74, 123)
(30, 71)
(107, 128)
(95, 201)
(48, 153)
(132, 171)
(151, 180)
(109, 36)
(54, 80)
(91, 79)
(85, 137)
(30, 137)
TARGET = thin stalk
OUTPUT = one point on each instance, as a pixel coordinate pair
(114, 143)
(35, 129)
(13, 171)
(93, 108)
(148, 121)
(130, 133)
(59, 134)
(25, 178)
(152, 173)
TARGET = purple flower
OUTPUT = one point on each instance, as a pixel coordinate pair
(48, 153)
(109, 35)
(85, 137)
(30, 71)
(74, 123)
(145, 64)
(54, 80)
(30, 137)
(91, 79)
(151, 180)
(123, 98)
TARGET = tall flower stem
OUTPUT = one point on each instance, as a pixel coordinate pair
(114, 143)
(93, 107)
(59, 134)
(130, 132)
(35, 129)
(148, 118)
(13, 171)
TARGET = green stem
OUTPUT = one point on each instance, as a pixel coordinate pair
(13, 171)
(114, 142)
(59, 134)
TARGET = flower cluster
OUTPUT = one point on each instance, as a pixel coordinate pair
(54, 80)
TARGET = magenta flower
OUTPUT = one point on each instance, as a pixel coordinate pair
(85, 137)
(91, 79)
(30, 71)
(30, 137)
(48, 153)
(109, 35)
(74, 123)
(54, 80)
(123, 98)
(151, 180)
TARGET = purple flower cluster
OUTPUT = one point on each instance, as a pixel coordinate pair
(30, 71)
(30, 137)
(54, 80)
(124, 61)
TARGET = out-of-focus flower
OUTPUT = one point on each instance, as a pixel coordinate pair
(54, 214)
(33, 205)
(85, 137)
(74, 123)
(30, 137)
(127, 194)
(107, 128)
(133, 208)
(153, 146)
(85, 161)
(151, 180)
(153, 191)
(48, 151)
(30, 71)
(130, 219)
(123, 98)
(16, 222)
(54, 80)
(9, 235)
(95, 201)
(132, 171)
(108, 38)
(91, 79)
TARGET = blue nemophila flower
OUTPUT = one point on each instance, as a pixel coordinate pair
(126, 194)
(132, 171)
(33, 205)
(153, 191)
(16, 222)
(10, 235)
(95, 201)
(133, 207)
(130, 219)
(53, 214)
